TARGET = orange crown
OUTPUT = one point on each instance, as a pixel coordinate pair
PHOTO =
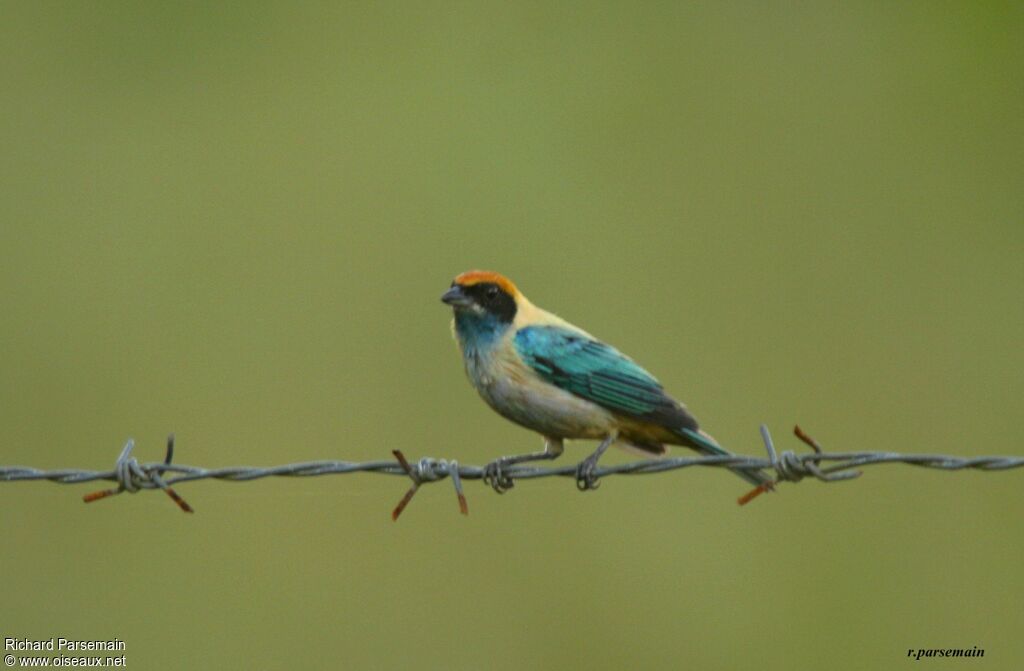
(471, 277)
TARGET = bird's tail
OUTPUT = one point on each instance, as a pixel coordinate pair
(705, 444)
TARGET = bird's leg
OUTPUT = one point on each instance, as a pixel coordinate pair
(585, 471)
(496, 478)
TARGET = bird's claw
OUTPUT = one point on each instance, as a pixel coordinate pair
(585, 478)
(495, 476)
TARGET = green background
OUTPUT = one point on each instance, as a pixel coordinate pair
(234, 221)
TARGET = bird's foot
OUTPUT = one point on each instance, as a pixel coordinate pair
(585, 478)
(495, 476)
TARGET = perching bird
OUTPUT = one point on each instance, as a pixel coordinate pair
(545, 374)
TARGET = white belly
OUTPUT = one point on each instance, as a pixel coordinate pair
(522, 396)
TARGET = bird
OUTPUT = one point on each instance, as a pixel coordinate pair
(547, 375)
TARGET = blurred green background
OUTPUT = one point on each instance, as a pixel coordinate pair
(234, 221)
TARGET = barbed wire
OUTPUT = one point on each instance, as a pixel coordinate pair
(132, 477)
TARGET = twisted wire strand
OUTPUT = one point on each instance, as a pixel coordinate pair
(132, 476)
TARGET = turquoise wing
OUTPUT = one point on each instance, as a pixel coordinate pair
(599, 373)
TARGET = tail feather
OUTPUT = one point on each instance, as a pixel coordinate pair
(705, 444)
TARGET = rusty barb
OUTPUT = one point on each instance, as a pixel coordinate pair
(791, 468)
(133, 477)
(428, 470)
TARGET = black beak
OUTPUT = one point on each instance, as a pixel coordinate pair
(456, 297)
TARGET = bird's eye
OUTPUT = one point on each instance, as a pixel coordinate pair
(492, 293)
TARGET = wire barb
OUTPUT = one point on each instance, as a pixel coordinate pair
(131, 476)
(428, 470)
(790, 468)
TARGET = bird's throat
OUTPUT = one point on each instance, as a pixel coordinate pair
(478, 333)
